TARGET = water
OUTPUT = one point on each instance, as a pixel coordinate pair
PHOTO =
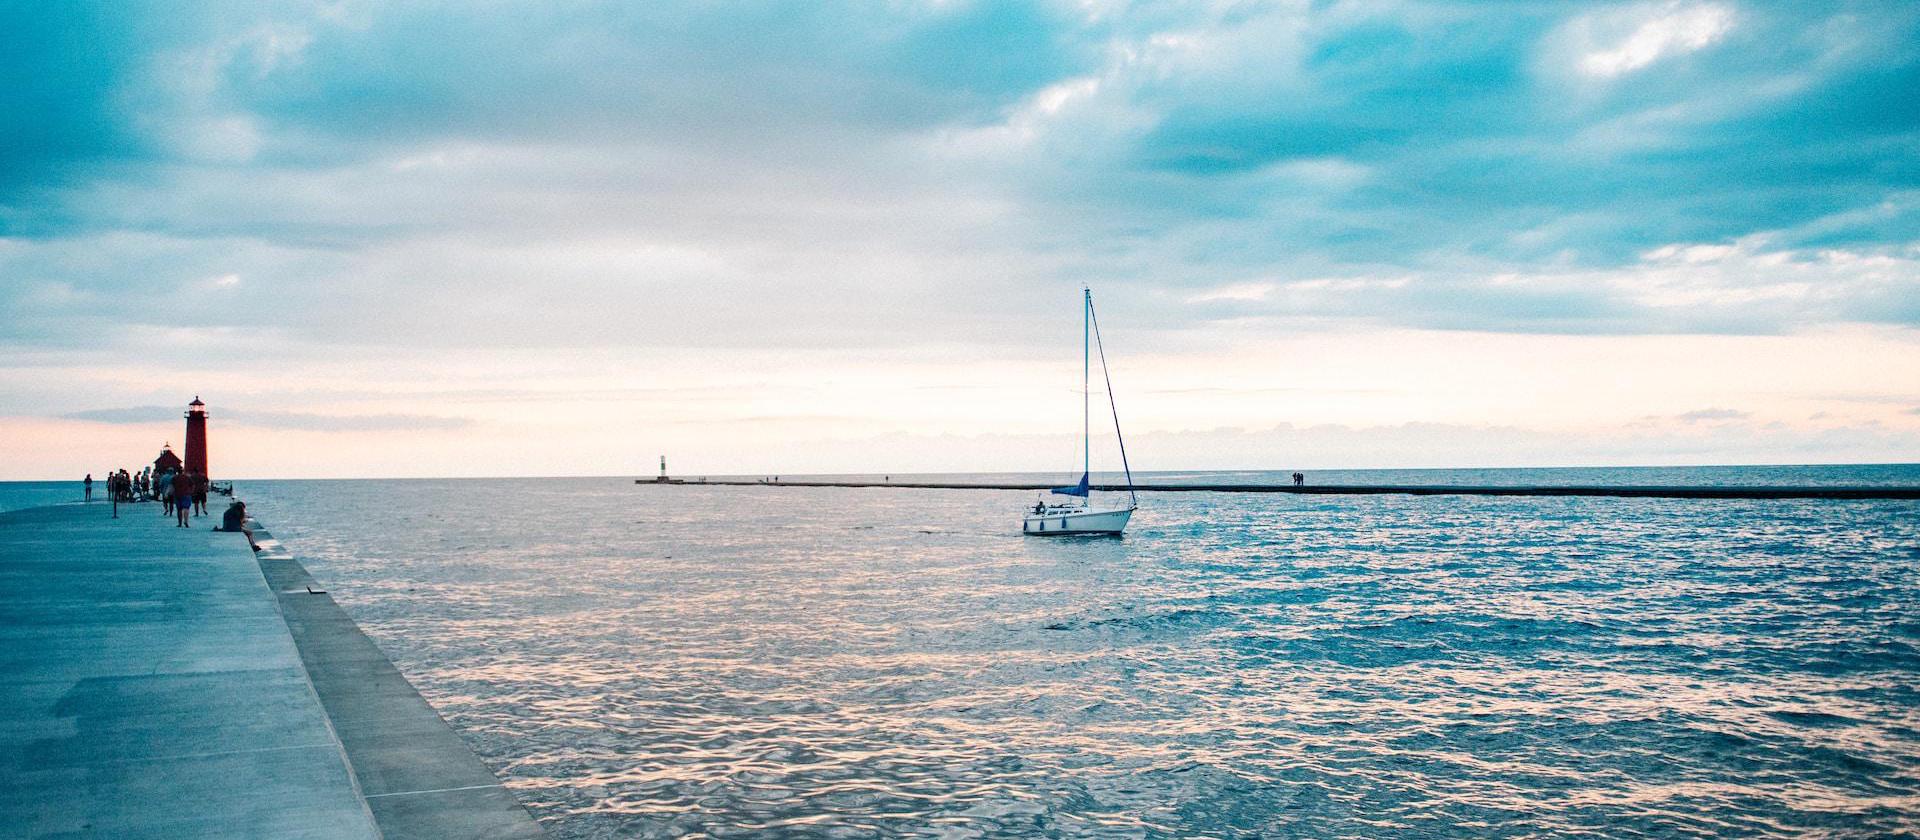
(721, 662)
(15, 495)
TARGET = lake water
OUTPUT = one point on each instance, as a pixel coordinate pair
(749, 661)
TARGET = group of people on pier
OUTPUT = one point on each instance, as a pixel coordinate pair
(181, 492)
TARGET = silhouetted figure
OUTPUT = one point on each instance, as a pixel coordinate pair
(125, 481)
(182, 498)
(199, 494)
(88, 483)
(163, 491)
(1299, 479)
(235, 518)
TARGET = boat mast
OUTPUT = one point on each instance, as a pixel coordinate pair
(1107, 376)
(1086, 376)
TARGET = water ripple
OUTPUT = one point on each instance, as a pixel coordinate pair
(710, 662)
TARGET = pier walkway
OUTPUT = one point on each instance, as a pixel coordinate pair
(1631, 492)
(151, 687)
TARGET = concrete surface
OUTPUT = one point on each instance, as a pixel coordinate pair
(150, 688)
(419, 778)
(158, 682)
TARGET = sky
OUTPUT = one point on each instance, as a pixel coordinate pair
(565, 238)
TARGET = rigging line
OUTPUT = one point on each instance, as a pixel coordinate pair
(1111, 402)
(1086, 400)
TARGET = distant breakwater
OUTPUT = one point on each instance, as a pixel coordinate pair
(1629, 492)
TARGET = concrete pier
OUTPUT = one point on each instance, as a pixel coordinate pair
(154, 684)
(416, 775)
(1631, 492)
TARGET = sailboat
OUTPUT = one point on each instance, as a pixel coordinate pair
(1070, 518)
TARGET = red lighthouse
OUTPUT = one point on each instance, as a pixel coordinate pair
(197, 436)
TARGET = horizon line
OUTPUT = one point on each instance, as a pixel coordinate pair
(737, 475)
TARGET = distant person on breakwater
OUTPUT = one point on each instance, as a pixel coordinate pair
(182, 498)
(1299, 479)
(88, 482)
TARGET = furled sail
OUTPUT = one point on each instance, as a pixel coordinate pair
(1081, 489)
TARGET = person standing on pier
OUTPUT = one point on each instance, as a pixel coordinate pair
(88, 482)
(199, 493)
(120, 487)
(182, 498)
(163, 490)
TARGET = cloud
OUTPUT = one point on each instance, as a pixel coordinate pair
(129, 415)
(1340, 446)
(297, 421)
(351, 186)
(1235, 291)
(1713, 415)
(350, 422)
(1676, 29)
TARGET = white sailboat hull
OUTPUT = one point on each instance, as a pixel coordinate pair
(1046, 519)
(1067, 522)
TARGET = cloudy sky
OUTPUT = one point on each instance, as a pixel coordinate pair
(501, 238)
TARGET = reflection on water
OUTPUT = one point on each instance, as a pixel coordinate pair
(688, 661)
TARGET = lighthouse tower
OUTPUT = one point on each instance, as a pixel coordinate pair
(197, 436)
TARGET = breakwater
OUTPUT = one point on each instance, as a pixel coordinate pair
(417, 777)
(1632, 492)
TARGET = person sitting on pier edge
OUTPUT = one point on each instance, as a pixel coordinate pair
(235, 519)
(182, 498)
